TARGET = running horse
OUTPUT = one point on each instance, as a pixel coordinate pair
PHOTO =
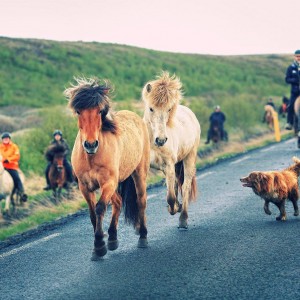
(174, 133)
(111, 153)
(55, 154)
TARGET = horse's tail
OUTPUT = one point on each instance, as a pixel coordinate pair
(127, 191)
(179, 172)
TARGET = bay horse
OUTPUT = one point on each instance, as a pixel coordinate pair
(174, 133)
(111, 153)
(55, 154)
(215, 133)
(8, 190)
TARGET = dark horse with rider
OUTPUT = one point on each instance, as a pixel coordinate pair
(216, 131)
(58, 147)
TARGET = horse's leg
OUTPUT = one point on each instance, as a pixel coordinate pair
(140, 177)
(171, 195)
(7, 204)
(108, 189)
(189, 174)
(112, 243)
(176, 194)
(90, 198)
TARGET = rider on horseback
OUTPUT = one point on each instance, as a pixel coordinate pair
(217, 118)
(10, 158)
(58, 140)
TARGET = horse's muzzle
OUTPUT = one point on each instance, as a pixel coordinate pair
(160, 142)
(91, 148)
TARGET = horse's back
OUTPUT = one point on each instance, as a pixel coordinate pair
(6, 183)
(133, 140)
(187, 127)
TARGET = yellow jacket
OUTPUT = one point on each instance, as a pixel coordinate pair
(11, 153)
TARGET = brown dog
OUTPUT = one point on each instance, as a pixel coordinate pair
(276, 187)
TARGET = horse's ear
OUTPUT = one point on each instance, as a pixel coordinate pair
(106, 91)
(148, 87)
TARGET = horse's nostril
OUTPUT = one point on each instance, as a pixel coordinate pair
(91, 145)
(160, 142)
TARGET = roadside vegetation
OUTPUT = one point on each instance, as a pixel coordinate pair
(35, 73)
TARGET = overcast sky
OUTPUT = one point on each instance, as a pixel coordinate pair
(190, 26)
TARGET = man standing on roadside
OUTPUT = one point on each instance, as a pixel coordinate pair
(292, 78)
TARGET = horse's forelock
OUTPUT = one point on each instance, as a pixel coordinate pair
(88, 93)
(166, 91)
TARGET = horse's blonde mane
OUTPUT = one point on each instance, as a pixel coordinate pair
(164, 92)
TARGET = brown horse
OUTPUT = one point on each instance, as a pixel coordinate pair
(269, 116)
(215, 133)
(57, 172)
(111, 152)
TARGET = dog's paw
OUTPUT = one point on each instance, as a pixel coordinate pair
(279, 218)
(267, 211)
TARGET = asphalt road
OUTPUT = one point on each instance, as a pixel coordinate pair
(232, 249)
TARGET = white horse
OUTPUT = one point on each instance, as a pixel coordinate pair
(7, 189)
(6, 186)
(174, 138)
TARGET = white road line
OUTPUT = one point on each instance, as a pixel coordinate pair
(239, 160)
(267, 149)
(290, 141)
(152, 196)
(204, 175)
(29, 245)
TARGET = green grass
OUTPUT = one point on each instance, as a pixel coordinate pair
(34, 73)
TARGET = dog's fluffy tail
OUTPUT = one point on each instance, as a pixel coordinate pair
(296, 166)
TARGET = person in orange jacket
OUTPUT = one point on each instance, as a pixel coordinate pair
(10, 158)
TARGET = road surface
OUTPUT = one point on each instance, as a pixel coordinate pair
(232, 249)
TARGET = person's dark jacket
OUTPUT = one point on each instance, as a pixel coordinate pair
(61, 142)
(292, 77)
(217, 117)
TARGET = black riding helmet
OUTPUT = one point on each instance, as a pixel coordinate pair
(5, 135)
(57, 132)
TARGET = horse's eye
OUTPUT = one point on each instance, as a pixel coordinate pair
(169, 109)
(77, 112)
(100, 112)
(151, 109)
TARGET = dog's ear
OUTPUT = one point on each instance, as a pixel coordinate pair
(263, 181)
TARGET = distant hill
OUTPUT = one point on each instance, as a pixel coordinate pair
(34, 73)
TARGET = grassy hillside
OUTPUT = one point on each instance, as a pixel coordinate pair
(34, 72)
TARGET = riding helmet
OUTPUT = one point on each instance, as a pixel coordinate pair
(5, 135)
(57, 132)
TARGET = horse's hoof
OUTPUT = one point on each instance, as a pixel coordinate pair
(143, 243)
(98, 253)
(296, 213)
(112, 245)
(172, 211)
(183, 224)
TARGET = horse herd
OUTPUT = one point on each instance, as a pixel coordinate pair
(113, 152)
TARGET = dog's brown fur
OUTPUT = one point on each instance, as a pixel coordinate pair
(276, 187)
